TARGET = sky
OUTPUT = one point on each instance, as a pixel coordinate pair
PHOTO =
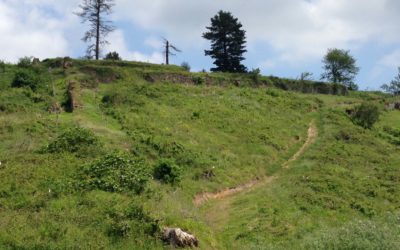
(284, 37)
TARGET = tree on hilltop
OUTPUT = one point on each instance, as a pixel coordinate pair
(340, 67)
(228, 43)
(168, 50)
(93, 12)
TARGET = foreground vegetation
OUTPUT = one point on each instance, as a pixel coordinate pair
(103, 155)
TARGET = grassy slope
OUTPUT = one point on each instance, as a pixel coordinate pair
(348, 175)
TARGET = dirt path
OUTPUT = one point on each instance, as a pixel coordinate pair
(312, 135)
(204, 197)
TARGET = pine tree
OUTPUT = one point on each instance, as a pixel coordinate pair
(228, 43)
(93, 11)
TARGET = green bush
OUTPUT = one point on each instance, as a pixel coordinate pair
(131, 219)
(2, 66)
(168, 172)
(198, 80)
(255, 75)
(186, 66)
(72, 141)
(116, 172)
(366, 115)
(25, 62)
(26, 78)
(113, 56)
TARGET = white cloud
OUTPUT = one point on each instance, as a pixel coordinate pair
(267, 64)
(391, 60)
(118, 43)
(385, 66)
(153, 42)
(29, 33)
(299, 30)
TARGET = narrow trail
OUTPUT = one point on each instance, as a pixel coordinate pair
(202, 198)
(312, 135)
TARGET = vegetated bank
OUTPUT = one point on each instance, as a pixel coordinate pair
(105, 154)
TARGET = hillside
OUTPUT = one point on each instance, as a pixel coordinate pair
(257, 162)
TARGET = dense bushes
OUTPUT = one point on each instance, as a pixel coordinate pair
(366, 115)
(116, 172)
(72, 141)
(167, 171)
(131, 219)
(113, 56)
(26, 78)
(25, 62)
(2, 66)
(305, 86)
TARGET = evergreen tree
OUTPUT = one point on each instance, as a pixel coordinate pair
(228, 43)
(93, 11)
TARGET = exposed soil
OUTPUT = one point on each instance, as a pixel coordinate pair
(204, 197)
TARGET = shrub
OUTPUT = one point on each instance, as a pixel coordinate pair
(168, 172)
(116, 172)
(72, 141)
(2, 66)
(131, 218)
(198, 80)
(255, 75)
(186, 66)
(25, 62)
(114, 56)
(366, 115)
(25, 78)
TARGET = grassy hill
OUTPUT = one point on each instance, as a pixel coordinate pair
(78, 152)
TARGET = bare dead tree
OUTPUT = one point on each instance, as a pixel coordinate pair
(168, 50)
(93, 12)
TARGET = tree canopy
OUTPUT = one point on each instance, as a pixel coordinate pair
(340, 67)
(228, 43)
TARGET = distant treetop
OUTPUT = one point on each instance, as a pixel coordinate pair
(340, 67)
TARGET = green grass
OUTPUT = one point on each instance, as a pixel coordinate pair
(342, 188)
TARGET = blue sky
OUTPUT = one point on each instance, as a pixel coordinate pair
(285, 37)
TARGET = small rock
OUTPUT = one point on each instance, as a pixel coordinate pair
(67, 62)
(176, 237)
